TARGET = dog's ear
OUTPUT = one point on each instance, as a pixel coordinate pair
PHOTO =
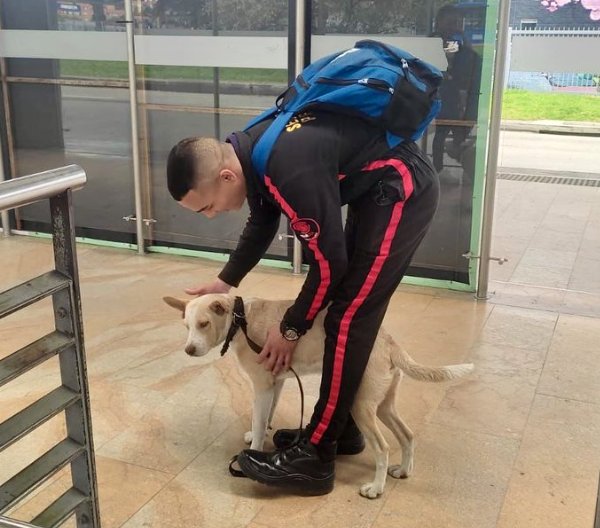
(218, 307)
(178, 304)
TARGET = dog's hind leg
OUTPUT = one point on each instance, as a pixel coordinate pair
(366, 419)
(388, 414)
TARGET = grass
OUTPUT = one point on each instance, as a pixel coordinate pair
(530, 106)
(517, 104)
(118, 70)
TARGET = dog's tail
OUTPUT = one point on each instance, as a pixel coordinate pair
(411, 368)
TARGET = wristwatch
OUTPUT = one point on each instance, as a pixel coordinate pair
(288, 332)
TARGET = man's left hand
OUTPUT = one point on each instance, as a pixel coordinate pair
(277, 353)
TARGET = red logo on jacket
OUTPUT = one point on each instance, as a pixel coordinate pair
(306, 228)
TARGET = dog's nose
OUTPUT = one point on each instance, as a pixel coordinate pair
(190, 350)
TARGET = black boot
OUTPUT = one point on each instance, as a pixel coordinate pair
(302, 467)
(351, 442)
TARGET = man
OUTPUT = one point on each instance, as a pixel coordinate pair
(320, 162)
(459, 91)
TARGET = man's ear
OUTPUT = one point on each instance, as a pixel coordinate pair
(218, 307)
(228, 175)
(178, 304)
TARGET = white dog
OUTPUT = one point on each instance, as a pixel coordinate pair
(208, 319)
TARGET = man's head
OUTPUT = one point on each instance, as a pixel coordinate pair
(448, 21)
(205, 176)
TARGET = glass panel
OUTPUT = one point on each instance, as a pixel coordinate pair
(451, 141)
(93, 15)
(180, 101)
(177, 226)
(183, 16)
(59, 125)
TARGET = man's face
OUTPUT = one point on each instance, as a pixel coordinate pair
(226, 193)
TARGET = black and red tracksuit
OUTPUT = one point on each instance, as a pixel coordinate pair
(320, 162)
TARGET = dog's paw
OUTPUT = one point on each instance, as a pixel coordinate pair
(400, 471)
(371, 490)
(248, 437)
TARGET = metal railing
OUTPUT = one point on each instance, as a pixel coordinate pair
(573, 78)
(66, 342)
(12, 523)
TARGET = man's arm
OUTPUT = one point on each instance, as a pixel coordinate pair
(260, 229)
(313, 206)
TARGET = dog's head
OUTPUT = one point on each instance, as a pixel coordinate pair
(207, 319)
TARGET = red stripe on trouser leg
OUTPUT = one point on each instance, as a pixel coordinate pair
(342, 339)
(324, 269)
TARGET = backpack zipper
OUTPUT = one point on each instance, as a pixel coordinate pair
(377, 84)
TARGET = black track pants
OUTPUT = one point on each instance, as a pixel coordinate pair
(384, 229)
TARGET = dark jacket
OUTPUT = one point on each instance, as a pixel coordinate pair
(315, 167)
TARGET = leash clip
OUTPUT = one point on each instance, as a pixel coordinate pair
(238, 318)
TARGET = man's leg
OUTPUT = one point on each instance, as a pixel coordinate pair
(386, 235)
(438, 146)
(351, 440)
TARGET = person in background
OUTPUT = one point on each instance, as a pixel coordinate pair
(459, 92)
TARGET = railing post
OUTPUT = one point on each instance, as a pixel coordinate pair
(300, 39)
(135, 137)
(4, 214)
(68, 319)
(492, 159)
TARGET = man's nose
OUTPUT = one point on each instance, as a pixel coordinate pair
(190, 350)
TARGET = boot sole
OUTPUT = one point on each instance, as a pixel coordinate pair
(300, 484)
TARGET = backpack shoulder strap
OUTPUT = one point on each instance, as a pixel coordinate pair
(262, 149)
(269, 112)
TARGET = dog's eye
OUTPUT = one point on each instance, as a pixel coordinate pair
(202, 324)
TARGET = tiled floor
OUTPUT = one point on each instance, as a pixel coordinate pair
(514, 445)
(551, 236)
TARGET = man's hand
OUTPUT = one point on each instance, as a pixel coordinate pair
(277, 353)
(217, 286)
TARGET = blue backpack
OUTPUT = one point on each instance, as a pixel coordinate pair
(375, 81)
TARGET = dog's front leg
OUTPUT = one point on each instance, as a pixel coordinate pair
(263, 399)
(276, 393)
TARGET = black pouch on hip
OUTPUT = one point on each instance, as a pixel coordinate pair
(388, 191)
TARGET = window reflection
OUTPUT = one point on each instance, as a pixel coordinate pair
(451, 141)
(92, 15)
(219, 15)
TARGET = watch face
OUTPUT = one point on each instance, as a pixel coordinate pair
(290, 334)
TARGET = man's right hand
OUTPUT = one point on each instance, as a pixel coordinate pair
(217, 286)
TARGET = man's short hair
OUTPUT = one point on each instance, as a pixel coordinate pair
(190, 159)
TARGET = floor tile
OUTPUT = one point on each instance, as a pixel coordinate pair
(519, 328)
(555, 478)
(571, 368)
(459, 481)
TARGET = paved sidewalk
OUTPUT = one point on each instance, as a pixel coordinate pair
(549, 151)
(551, 235)
(553, 126)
